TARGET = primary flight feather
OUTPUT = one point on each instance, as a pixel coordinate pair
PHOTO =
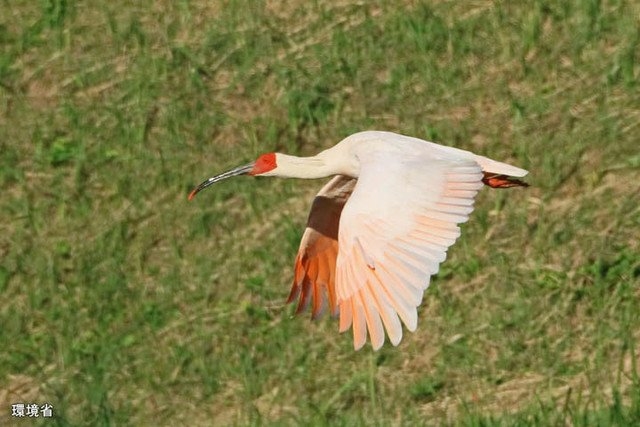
(380, 228)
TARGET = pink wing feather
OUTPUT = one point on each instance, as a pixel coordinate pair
(394, 232)
(370, 247)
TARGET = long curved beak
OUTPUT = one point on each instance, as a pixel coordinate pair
(240, 170)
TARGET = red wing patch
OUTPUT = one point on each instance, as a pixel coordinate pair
(315, 268)
(314, 279)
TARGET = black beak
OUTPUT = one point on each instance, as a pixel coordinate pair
(240, 170)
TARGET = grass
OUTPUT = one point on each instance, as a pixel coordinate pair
(122, 304)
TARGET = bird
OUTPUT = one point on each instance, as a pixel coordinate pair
(380, 228)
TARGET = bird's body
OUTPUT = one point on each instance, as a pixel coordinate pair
(380, 228)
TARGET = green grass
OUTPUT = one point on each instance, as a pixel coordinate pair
(122, 304)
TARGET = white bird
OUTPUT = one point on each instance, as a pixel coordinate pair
(381, 227)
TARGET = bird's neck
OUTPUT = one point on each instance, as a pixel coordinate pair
(301, 167)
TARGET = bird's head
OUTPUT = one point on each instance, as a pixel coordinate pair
(263, 165)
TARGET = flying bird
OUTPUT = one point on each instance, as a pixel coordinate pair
(379, 229)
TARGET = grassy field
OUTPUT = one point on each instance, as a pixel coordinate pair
(123, 304)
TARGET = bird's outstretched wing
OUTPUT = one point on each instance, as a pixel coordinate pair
(394, 232)
(314, 278)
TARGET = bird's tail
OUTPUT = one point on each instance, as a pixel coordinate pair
(494, 180)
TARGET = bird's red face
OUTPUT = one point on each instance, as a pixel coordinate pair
(264, 164)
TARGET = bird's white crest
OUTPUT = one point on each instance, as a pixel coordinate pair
(379, 230)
